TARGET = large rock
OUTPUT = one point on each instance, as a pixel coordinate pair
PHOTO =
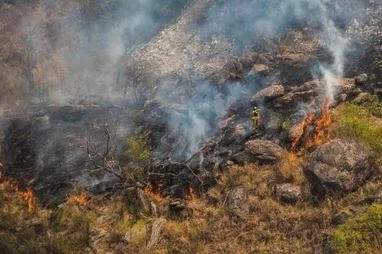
(288, 193)
(238, 202)
(268, 93)
(361, 79)
(362, 98)
(338, 167)
(260, 69)
(308, 92)
(264, 150)
(313, 93)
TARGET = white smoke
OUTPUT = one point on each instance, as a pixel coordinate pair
(338, 45)
(76, 47)
(91, 54)
(266, 19)
(196, 114)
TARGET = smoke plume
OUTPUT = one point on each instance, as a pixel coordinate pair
(79, 52)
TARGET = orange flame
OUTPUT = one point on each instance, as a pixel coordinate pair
(321, 128)
(80, 199)
(190, 194)
(27, 195)
(6, 184)
(292, 157)
(322, 131)
(153, 194)
(31, 200)
(302, 129)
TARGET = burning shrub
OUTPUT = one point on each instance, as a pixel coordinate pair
(314, 130)
(361, 234)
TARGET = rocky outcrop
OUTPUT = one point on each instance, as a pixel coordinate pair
(288, 193)
(238, 202)
(264, 150)
(361, 79)
(338, 167)
(362, 97)
(260, 69)
(313, 92)
(268, 93)
(177, 49)
(258, 151)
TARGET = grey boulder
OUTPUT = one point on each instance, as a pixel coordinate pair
(338, 167)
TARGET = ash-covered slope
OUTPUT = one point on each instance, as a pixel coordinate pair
(178, 49)
(318, 43)
(186, 89)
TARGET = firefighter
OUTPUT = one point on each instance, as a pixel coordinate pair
(255, 118)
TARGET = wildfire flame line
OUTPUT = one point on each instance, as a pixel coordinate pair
(302, 130)
(27, 195)
(320, 125)
(30, 198)
(322, 131)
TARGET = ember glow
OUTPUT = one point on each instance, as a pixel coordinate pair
(80, 199)
(292, 157)
(154, 194)
(30, 199)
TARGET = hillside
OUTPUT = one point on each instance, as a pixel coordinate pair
(200, 126)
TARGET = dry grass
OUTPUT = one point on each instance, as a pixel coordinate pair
(291, 168)
(269, 226)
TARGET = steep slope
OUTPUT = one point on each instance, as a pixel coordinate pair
(224, 127)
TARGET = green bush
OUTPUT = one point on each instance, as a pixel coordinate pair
(373, 105)
(356, 122)
(362, 234)
(138, 150)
